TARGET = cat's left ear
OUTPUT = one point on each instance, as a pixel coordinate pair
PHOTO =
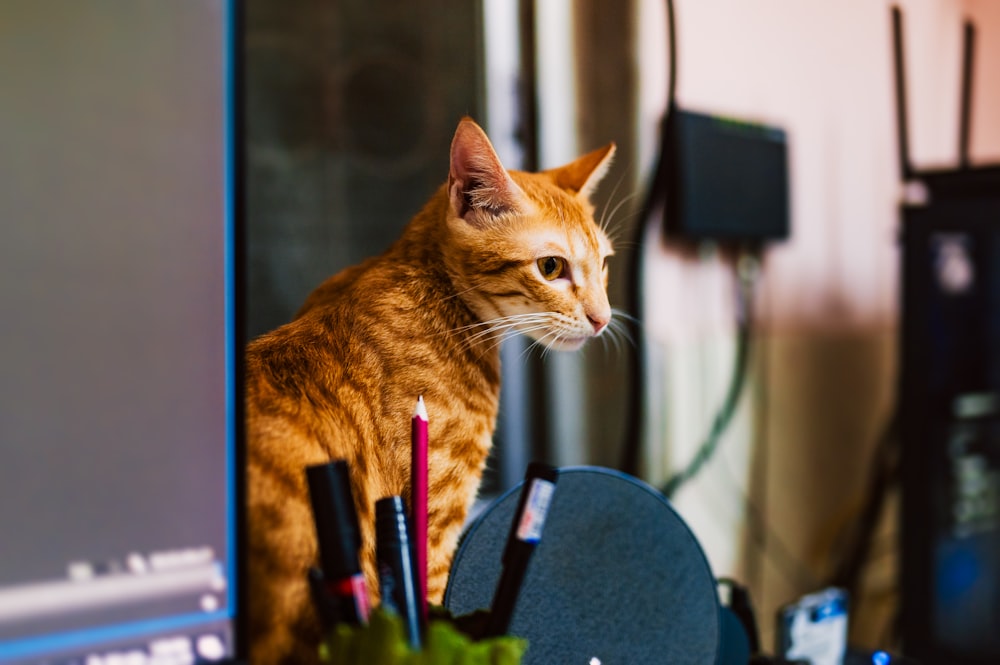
(582, 175)
(479, 188)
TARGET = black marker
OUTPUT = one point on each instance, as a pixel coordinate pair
(338, 588)
(397, 576)
(525, 533)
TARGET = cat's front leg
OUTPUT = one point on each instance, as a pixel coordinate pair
(442, 539)
(449, 502)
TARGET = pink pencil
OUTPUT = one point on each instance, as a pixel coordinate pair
(418, 479)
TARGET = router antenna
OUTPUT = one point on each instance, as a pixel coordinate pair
(906, 170)
(965, 120)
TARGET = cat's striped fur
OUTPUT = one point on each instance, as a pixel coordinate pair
(424, 318)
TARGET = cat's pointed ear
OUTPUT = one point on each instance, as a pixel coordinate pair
(582, 175)
(479, 187)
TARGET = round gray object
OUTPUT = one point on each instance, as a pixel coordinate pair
(617, 575)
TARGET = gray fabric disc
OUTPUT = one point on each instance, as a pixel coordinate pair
(618, 576)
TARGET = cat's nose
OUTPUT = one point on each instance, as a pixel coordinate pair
(599, 322)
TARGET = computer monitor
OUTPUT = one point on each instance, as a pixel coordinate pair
(118, 332)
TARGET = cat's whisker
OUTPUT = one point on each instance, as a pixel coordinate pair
(495, 327)
(540, 343)
(629, 245)
(613, 235)
(540, 324)
(605, 218)
(621, 331)
(503, 338)
(556, 335)
(495, 334)
(524, 354)
(612, 335)
(476, 285)
(604, 210)
(492, 323)
(535, 319)
(506, 335)
(515, 332)
(618, 314)
(609, 336)
(606, 224)
(506, 327)
(618, 336)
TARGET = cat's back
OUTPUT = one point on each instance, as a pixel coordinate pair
(320, 335)
(363, 345)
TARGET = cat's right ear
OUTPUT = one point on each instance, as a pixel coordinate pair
(479, 187)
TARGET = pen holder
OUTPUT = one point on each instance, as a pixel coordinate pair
(383, 641)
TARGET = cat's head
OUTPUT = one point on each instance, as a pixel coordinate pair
(524, 251)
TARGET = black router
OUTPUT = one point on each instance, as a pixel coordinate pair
(725, 179)
(949, 397)
(965, 180)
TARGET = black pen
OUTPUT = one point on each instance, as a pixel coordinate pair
(525, 533)
(338, 587)
(397, 576)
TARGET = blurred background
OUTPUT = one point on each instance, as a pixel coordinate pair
(348, 102)
(817, 391)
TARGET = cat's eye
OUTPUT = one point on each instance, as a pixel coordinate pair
(551, 267)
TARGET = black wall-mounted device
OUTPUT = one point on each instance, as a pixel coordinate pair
(726, 179)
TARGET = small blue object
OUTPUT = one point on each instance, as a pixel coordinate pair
(881, 658)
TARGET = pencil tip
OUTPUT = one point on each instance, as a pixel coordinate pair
(421, 410)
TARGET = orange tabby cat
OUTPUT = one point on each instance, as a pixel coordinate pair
(493, 253)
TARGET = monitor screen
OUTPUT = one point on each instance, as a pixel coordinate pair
(117, 332)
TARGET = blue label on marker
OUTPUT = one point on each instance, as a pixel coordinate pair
(535, 509)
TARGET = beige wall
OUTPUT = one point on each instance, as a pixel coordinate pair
(986, 96)
(824, 366)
